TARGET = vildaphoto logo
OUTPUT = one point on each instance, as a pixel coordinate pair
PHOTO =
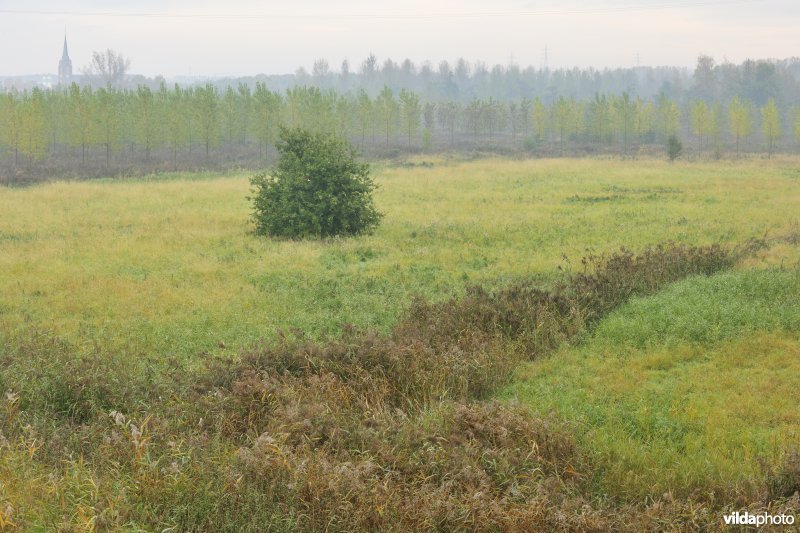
(758, 520)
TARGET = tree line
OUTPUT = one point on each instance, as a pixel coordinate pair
(89, 131)
(463, 81)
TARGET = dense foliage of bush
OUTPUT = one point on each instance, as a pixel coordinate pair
(674, 147)
(319, 189)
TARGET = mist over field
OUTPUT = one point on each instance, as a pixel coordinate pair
(245, 37)
(449, 266)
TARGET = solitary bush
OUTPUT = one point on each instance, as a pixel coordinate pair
(674, 148)
(319, 189)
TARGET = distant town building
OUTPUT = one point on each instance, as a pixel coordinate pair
(65, 67)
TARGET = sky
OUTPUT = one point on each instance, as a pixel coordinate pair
(248, 37)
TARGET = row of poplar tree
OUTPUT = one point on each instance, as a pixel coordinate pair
(81, 127)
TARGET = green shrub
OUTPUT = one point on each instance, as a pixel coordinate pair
(674, 147)
(319, 189)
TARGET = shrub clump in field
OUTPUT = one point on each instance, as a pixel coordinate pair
(319, 189)
(674, 148)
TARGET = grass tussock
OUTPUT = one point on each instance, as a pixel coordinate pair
(467, 466)
(783, 481)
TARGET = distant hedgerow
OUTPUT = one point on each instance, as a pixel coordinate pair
(319, 189)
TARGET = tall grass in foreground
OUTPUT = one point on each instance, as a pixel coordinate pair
(364, 431)
(692, 391)
(380, 431)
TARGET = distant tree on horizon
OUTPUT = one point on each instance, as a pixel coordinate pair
(701, 120)
(411, 110)
(741, 120)
(107, 69)
(770, 124)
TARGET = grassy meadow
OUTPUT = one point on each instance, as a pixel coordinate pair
(171, 266)
(694, 389)
(152, 299)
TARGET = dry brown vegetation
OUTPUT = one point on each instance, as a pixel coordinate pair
(383, 432)
(366, 431)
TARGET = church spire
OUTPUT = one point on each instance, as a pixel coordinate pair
(65, 54)
(65, 66)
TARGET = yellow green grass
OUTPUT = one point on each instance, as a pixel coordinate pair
(171, 266)
(688, 391)
(693, 391)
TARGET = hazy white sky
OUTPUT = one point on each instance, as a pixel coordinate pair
(242, 37)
